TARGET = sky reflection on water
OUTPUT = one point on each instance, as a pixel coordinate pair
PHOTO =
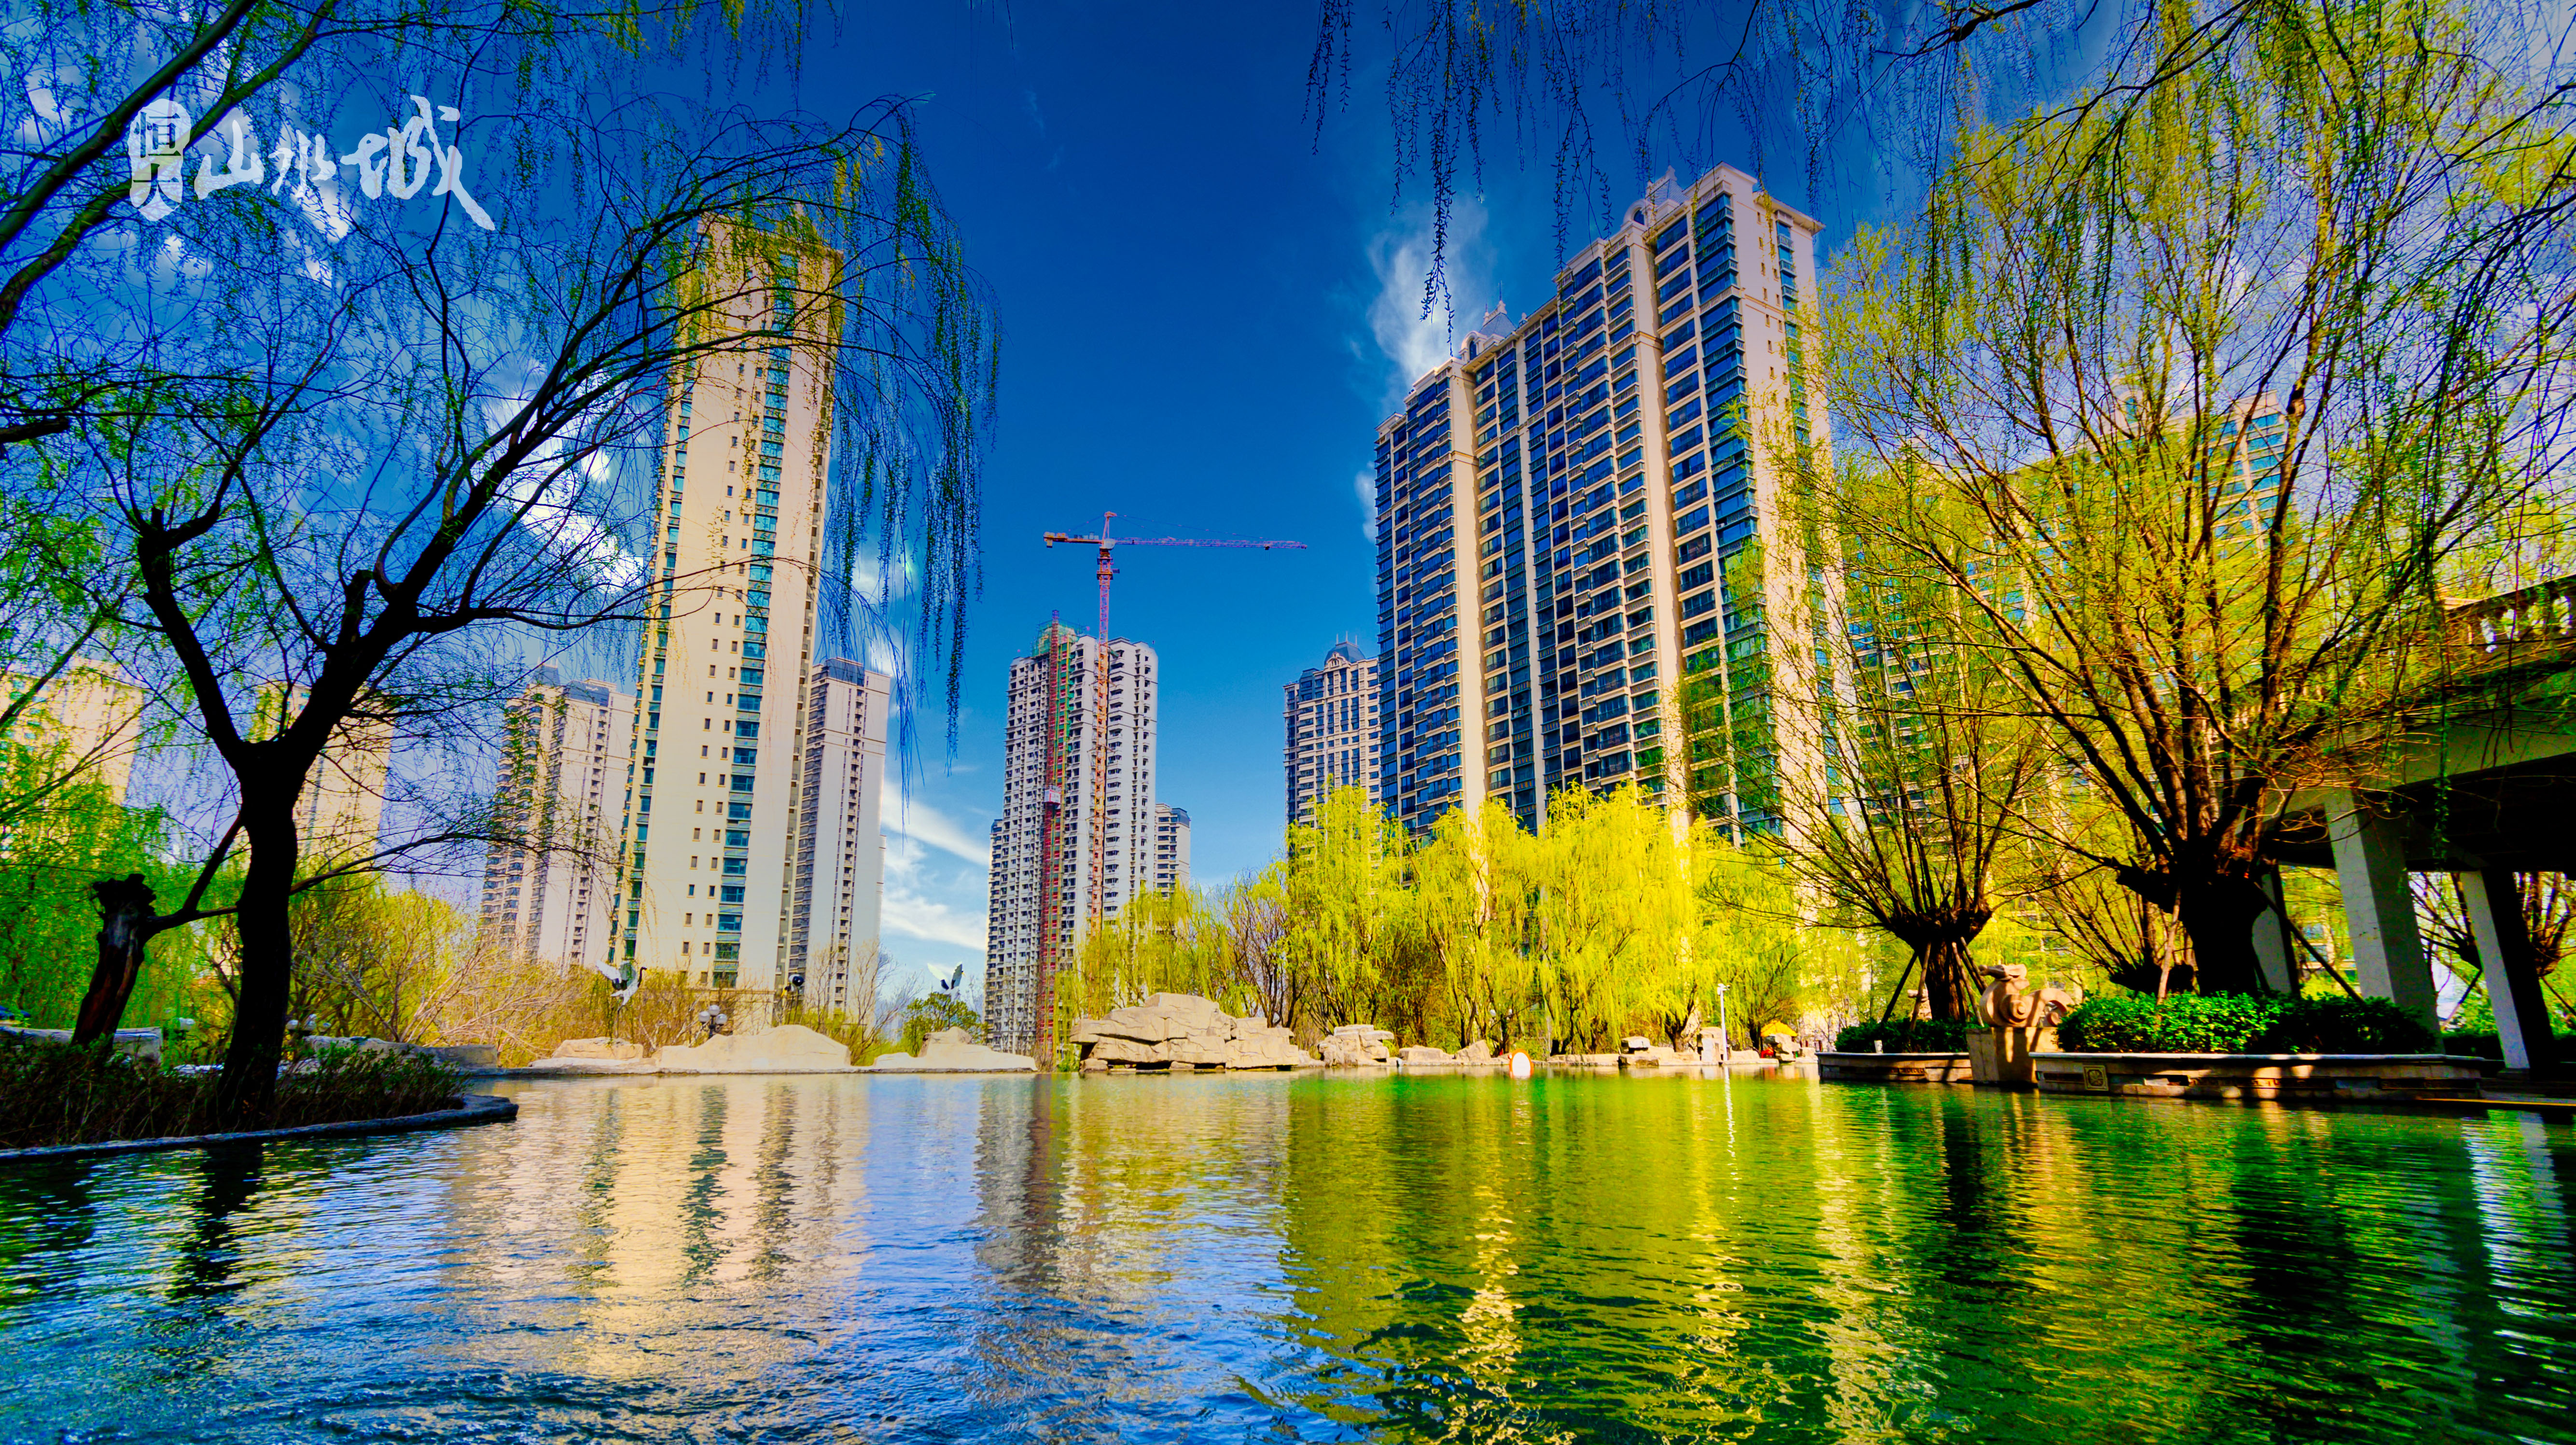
(1312, 1258)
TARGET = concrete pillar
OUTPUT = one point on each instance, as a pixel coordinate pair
(2370, 862)
(2504, 956)
(2272, 947)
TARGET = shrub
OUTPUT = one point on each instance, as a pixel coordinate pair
(2344, 1026)
(2473, 1045)
(2187, 1023)
(1905, 1036)
(2241, 1024)
(52, 1093)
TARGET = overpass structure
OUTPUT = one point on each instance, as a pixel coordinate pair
(2484, 789)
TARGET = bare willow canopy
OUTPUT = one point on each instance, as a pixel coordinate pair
(336, 341)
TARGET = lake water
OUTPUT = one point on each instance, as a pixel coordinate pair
(1310, 1258)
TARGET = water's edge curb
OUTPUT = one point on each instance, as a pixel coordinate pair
(473, 1109)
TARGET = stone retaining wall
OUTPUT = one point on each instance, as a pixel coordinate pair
(1895, 1068)
(2287, 1078)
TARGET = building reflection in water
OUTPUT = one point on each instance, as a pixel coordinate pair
(1321, 1257)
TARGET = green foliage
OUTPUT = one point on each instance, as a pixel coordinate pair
(2473, 1045)
(49, 922)
(1905, 1036)
(52, 1093)
(2182, 1024)
(2312, 1025)
(932, 1012)
(1621, 918)
(2241, 1024)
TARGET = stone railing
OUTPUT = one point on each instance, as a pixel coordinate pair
(2530, 624)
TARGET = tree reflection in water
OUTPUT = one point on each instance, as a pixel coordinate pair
(1572, 1258)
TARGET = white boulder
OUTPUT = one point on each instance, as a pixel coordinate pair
(953, 1051)
(787, 1049)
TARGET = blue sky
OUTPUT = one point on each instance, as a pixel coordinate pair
(1205, 315)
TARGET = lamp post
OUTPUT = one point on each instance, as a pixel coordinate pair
(1725, 1040)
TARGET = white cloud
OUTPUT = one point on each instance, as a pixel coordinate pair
(1365, 483)
(910, 915)
(1414, 342)
(926, 825)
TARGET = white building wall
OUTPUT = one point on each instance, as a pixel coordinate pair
(1125, 736)
(1171, 849)
(553, 899)
(839, 877)
(1331, 719)
(714, 805)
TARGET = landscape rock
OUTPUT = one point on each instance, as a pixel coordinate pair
(1477, 1052)
(1170, 1030)
(466, 1056)
(953, 1051)
(143, 1044)
(598, 1048)
(787, 1049)
(1423, 1056)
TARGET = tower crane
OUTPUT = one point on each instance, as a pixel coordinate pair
(1049, 924)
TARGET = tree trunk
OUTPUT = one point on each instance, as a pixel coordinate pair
(2217, 914)
(248, 1088)
(1945, 977)
(124, 927)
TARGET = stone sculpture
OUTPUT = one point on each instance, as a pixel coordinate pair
(953, 1051)
(2004, 1005)
(1183, 1032)
(2017, 1025)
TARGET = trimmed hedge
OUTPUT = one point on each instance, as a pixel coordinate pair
(2242, 1024)
(1918, 1036)
(54, 1093)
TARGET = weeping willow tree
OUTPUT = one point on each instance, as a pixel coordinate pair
(2198, 396)
(403, 418)
(1176, 942)
(1620, 917)
(1865, 100)
(1909, 813)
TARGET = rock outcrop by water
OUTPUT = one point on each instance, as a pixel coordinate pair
(1355, 1046)
(953, 1051)
(1182, 1032)
(787, 1049)
(620, 1050)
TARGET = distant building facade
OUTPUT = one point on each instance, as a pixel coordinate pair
(340, 815)
(1171, 849)
(1062, 751)
(1332, 724)
(88, 717)
(1562, 508)
(839, 882)
(717, 815)
(552, 896)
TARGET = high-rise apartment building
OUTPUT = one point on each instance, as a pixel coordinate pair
(1332, 724)
(88, 719)
(562, 763)
(340, 814)
(1055, 856)
(716, 813)
(840, 847)
(1577, 523)
(1171, 849)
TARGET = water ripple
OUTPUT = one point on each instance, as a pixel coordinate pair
(1272, 1258)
